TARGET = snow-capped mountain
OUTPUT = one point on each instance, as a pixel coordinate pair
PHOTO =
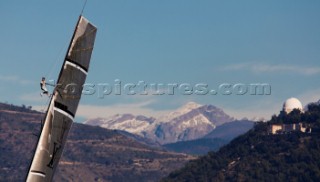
(192, 124)
(189, 122)
(126, 122)
(179, 112)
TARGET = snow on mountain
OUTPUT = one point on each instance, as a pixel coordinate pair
(126, 122)
(183, 130)
(180, 111)
(194, 124)
(188, 122)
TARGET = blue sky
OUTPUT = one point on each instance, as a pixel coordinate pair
(169, 41)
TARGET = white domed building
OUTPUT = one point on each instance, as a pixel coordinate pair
(295, 126)
(290, 104)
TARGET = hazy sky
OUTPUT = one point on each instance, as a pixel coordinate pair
(167, 41)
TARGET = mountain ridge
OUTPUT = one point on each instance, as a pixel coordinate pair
(190, 121)
(214, 140)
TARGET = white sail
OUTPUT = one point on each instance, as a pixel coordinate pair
(64, 103)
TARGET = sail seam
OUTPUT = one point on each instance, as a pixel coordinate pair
(76, 65)
(84, 49)
(38, 173)
(63, 108)
(64, 113)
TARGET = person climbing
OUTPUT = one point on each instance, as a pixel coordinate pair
(43, 87)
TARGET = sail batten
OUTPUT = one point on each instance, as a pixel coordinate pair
(64, 103)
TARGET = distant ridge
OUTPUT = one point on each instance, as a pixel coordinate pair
(189, 122)
(230, 130)
(213, 141)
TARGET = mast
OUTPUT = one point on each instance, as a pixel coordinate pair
(64, 103)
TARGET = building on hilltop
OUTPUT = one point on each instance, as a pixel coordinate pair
(288, 128)
(288, 106)
(274, 128)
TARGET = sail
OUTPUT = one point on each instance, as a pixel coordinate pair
(64, 103)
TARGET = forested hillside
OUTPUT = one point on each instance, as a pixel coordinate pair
(261, 156)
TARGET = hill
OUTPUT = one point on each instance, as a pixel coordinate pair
(230, 130)
(91, 154)
(197, 147)
(220, 136)
(261, 156)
